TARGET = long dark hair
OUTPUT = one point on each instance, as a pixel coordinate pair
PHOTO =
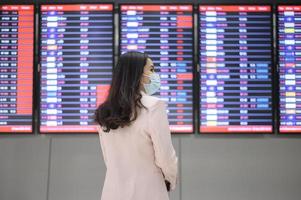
(124, 98)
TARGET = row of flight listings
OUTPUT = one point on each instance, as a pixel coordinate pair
(76, 59)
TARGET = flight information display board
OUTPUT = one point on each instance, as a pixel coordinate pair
(165, 33)
(235, 69)
(16, 68)
(76, 65)
(289, 54)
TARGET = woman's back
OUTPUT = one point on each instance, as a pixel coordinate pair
(138, 155)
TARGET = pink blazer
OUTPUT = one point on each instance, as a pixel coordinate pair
(139, 156)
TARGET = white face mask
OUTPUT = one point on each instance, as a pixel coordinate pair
(154, 85)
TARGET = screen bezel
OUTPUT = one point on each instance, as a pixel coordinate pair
(193, 53)
(273, 78)
(39, 62)
(277, 41)
(33, 117)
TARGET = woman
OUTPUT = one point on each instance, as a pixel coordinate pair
(134, 134)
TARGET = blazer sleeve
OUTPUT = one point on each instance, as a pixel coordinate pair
(165, 155)
(102, 145)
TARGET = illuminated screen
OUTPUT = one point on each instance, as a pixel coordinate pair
(289, 52)
(235, 69)
(76, 64)
(165, 33)
(16, 67)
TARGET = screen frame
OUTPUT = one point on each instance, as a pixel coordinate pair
(277, 50)
(272, 68)
(38, 85)
(193, 53)
(33, 117)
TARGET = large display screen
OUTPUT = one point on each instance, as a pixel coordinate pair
(235, 69)
(16, 68)
(76, 57)
(289, 54)
(165, 33)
